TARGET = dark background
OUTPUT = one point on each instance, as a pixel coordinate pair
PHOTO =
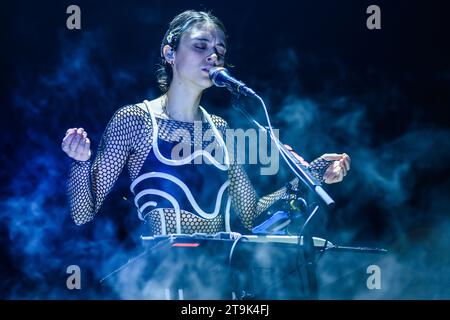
(331, 85)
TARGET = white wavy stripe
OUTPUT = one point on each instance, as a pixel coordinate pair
(144, 206)
(162, 218)
(227, 216)
(186, 190)
(165, 195)
(197, 153)
(218, 136)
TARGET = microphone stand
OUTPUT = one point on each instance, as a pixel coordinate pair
(306, 257)
(220, 77)
(297, 168)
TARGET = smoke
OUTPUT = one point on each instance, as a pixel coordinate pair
(394, 197)
(41, 241)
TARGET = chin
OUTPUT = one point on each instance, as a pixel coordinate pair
(205, 83)
(210, 84)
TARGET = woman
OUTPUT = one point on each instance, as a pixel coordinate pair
(176, 194)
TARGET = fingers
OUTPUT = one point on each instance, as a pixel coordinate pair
(68, 140)
(81, 146)
(76, 140)
(330, 174)
(331, 156)
(341, 174)
(336, 156)
(338, 171)
(347, 161)
(86, 151)
(298, 157)
(327, 178)
(76, 144)
(335, 173)
(343, 167)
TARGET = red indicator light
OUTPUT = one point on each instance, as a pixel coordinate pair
(185, 244)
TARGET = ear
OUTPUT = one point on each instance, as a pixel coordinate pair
(169, 53)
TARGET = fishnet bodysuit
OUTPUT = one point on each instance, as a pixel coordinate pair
(127, 141)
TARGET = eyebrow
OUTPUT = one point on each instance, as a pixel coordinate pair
(207, 40)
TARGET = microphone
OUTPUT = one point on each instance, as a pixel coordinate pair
(221, 78)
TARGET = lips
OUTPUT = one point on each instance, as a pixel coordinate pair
(207, 68)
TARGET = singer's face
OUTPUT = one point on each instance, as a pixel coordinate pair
(200, 49)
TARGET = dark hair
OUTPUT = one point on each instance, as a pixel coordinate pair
(179, 25)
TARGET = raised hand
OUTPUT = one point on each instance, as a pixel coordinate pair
(76, 144)
(338, 169)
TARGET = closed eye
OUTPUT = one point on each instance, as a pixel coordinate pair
(200, 46)
(203, 46)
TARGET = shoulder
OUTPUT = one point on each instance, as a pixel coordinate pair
(219, 122)
(130, 111)
(127, 111)
(154, 105)
(129, 115)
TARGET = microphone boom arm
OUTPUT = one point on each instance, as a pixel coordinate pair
(220, 77)
(296, 167)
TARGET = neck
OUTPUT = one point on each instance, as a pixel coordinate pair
(182, 103)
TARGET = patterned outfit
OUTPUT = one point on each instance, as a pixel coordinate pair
(182, 177)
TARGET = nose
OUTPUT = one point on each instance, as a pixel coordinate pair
(212, 58)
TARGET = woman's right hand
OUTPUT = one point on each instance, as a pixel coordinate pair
(76, 144)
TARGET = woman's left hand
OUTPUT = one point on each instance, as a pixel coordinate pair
(338, 169)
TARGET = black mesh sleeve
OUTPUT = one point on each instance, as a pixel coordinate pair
(318, 168)
(89, 182)
(244, 199)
